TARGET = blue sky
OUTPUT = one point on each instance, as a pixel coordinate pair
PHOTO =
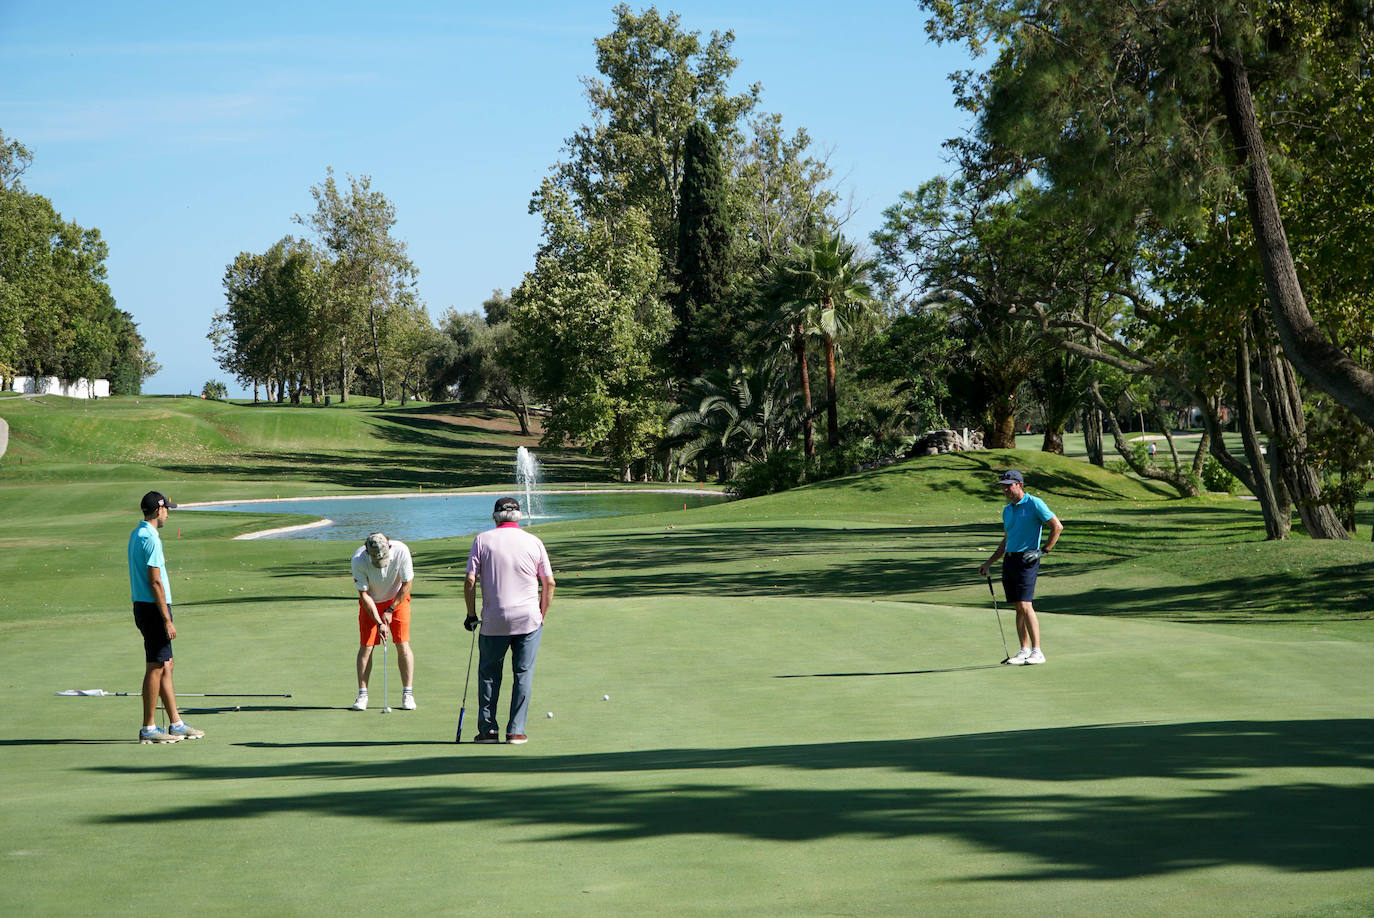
(188, 133)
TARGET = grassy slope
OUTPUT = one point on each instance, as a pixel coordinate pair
(805, 714)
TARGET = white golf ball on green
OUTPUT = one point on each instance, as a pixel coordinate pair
(605, 697)
(550, 714)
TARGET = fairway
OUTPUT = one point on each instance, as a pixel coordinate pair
(805, 713)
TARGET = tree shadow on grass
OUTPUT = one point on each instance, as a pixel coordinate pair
(1224, 814)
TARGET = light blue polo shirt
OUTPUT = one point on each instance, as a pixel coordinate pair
(145, 551)
(1023, 521)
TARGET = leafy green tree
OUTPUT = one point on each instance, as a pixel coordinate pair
(973, 257)
(369, 269)
(589, 320)
(411, 340)
(657, 80)
(1150, 109)
(703, 256)
(132, 362)
(783, 193)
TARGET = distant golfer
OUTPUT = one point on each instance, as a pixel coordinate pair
(1023, 519)
(151, 592)
(383, 573)
(517, 588)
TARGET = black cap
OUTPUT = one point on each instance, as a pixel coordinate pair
(504, 504)
(154, 499)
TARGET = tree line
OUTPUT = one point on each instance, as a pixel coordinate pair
(57, 315)
(1159, 215)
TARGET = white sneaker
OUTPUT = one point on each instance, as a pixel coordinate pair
(361, 703)
(407, 702)
(1022, 656)
(1035, 657)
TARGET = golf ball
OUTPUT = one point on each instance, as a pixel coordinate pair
(605, 697)
(550, 714)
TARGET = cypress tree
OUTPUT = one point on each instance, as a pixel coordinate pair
(702, 255)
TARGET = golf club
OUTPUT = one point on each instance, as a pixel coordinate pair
(458, 736)
(386, 696)
(998, 615)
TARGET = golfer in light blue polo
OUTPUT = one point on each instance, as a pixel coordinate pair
(1023, 520)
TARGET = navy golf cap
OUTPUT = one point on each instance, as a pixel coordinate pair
(1011, 476)
(154, 499)
(505, 504)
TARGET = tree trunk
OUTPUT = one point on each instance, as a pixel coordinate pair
(377, 351)
(1290, 448)
(1183, 484)
(1254, 476)
(1002, 434)
(832, 405)
(1053, 442)
(343, 369)
(1092, 435)
(1320, 361)
(804, 375)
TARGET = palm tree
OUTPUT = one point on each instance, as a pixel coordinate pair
(742, 414)
(824, 288)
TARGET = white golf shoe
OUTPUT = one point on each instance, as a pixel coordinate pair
(407, 702)
(360, 704)
(1022, 656)
(1035, 657)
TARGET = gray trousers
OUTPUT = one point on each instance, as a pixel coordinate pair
(491, 657)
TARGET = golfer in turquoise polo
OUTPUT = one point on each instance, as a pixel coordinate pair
(1024, 519)
(151, 591)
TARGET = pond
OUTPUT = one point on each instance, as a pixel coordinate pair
(416, 517)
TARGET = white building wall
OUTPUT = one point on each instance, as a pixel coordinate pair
(51, 385)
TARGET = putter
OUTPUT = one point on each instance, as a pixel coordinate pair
(998, 614)
(458, 736)
(386, 697)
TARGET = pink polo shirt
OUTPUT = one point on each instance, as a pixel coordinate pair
(508, 561)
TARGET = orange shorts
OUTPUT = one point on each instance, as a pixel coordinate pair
(368, 632)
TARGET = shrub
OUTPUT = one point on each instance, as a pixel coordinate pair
(1216, 478)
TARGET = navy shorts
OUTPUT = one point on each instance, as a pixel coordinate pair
(1018, 577)
(157, 647)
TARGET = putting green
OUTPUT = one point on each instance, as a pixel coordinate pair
(806, 715)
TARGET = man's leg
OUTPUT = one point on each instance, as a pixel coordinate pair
(491, 657)
(524, 649)
(152, 688)
(364, 666)
(406, 660)
(1027, 624)
(169, 695)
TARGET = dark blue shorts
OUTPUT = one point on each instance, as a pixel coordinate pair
(157, 647)
(1018, 577)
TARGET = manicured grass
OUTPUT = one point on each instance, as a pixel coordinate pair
(806, 714)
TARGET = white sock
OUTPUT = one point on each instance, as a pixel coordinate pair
(406, 690)
(180, 723)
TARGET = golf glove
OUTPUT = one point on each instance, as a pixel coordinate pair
(471, 622)
(1032, 556)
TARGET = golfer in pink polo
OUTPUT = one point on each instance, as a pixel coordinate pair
(517, 588)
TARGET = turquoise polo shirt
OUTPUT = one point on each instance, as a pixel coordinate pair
(1023, 521)
(145, 551)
